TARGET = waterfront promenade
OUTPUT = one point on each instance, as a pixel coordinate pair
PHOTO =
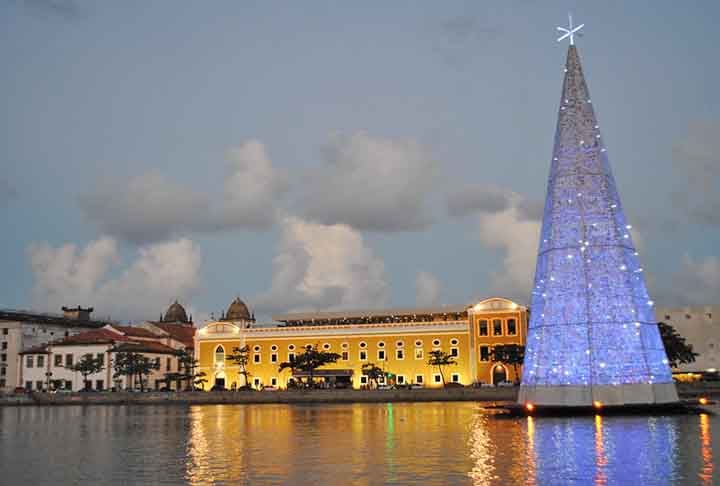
(499, 394)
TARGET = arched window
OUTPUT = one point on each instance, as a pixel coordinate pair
(220, 354)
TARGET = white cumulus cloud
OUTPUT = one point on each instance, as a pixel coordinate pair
(150, 207)
(323, 267)
(508, 222)
(517, 238)
(95, 276)
(371, 183)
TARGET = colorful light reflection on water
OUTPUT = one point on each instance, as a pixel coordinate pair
(432, 443)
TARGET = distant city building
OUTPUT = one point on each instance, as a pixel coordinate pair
(25, 329)
(46, 356)
(700, 326)
(47, 366)
(397, 340)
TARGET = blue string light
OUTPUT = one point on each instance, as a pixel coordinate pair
(592, 321)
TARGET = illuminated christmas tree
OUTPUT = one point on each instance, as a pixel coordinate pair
(593, 338)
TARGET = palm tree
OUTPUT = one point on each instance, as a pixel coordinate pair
(439, 358)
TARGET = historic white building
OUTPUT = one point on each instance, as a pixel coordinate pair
(49, 366)
(45, 363)
(23, 329)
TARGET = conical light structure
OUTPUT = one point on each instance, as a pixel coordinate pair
(592, 337)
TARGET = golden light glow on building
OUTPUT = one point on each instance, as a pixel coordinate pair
(397, 340)
(706, 472)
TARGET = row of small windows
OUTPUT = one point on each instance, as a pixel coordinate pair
(498, 329)
(32, 361)
(326, 346)
(419, 353)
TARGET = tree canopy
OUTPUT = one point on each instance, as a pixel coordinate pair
(373, 372)
(310, 360)
(509, 354)
(87, 366)
(678, 351)
(440, 359)
(134, 365)
(241, 357)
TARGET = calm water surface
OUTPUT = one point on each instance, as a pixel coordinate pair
(432, 443)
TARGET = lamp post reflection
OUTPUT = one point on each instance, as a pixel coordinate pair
(530, 454)
(601, 460)
(706, 470)
(483, 470)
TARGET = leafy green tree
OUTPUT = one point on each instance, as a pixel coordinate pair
(87, 366)
(200, 380)
(173, 377)
(134, 365)
(441, 359)
(241, 357)
(310, 360)
(678, 351)
(188, 364)
(373, 372)
(509, 354)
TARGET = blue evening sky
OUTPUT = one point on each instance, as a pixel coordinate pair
(111, 91)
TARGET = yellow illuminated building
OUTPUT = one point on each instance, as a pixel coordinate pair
(397, 340)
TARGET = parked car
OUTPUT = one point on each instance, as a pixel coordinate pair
(270, 388)
(453, 384)
(505, 383)
(385, 387)
(19, 389)
(415, 386)
(218, 388)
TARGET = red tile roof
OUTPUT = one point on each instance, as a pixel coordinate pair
(180, 332)
(144, 347)
(135, 331)
(96, 336)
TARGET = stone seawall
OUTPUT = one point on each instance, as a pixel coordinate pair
(304, 396)
(689, 391)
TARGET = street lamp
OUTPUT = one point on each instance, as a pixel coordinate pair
(48, 374)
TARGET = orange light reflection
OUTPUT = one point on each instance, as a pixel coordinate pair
(601, 460)
(706, 472)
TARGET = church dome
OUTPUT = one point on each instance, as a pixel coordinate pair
(175, 313)
(238, 311)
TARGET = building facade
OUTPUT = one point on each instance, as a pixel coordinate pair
(21, 330)
(49, 366)
(700, 327)
(397, 340)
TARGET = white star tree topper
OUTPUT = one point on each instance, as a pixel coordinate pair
(570, 32)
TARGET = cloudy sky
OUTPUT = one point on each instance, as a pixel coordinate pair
(328, 155)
